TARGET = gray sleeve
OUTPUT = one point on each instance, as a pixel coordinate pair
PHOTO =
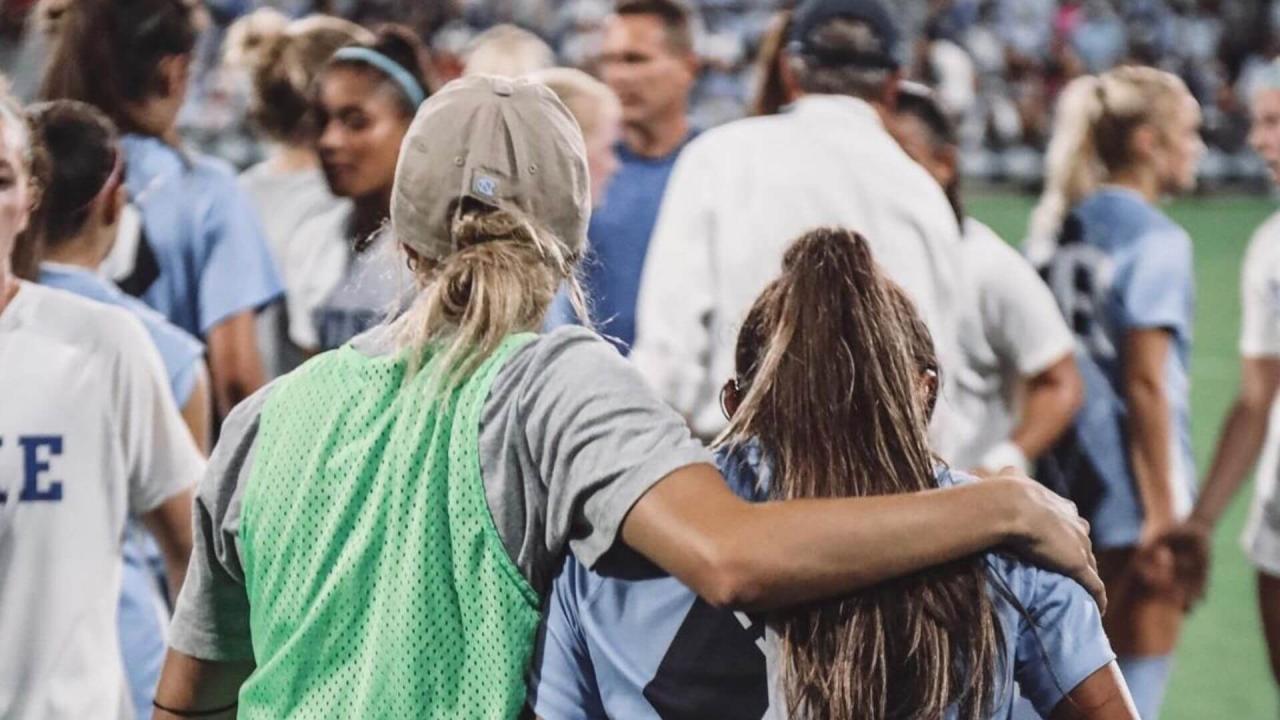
(597, 436)
(211, 619)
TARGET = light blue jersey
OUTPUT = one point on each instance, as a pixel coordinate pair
(202, 256)
(628, 641)
(1121, 265)
(140, 613)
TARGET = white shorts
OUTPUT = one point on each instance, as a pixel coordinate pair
(1261, 538)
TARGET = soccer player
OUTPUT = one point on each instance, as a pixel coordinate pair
(1249, 423)
(380, 527)
(89, 435)
(200, 257)
(629, 641)
(348, 276)
(1018, 389)
(72, 230)
(741, 191)
(282, 59)
(1122, 273)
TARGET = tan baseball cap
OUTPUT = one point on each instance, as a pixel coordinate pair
(505, 142)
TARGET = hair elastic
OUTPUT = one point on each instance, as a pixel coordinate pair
(411, 88)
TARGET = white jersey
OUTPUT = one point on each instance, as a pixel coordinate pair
(1017, 332)
(88, 435)
(740, 195)
(1260, 337)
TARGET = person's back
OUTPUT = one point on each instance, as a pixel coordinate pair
(327, 565)
(740, 192)
(627, 640)
(70, 368)
(1122, 265)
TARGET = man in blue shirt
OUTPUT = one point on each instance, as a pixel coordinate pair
(647, 58)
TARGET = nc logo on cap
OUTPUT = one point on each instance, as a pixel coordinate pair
(485, 185)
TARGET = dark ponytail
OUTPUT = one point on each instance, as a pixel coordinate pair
(81, 151)
(107, 53)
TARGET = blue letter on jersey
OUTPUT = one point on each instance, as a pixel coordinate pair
(31, 491)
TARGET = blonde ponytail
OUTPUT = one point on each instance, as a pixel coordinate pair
(1072, 169)
(1095, 119)
(501, 281)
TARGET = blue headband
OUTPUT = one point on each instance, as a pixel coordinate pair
(412, 90)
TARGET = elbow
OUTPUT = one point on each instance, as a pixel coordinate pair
(729, 578)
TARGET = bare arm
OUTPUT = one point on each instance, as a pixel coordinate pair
(1102, 696)
(1240, 440)
(234, 363)
(170, 525)
(196, 412)
(191, 685)
(767, 555)
(1052, 399)
(1150, 426)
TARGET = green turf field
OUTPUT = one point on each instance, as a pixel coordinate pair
(1221, 669)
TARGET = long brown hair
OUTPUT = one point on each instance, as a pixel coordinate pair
(831, 375)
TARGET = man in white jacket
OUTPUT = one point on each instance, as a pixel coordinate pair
(740, 194)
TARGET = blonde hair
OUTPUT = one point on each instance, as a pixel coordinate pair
(283, 59)
(589, 100)
(500, 280)
(1094, 121)
(508, 51)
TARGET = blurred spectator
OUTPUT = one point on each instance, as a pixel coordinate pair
(507, 50)
(282, 60)
(199, 255)
(648, 60)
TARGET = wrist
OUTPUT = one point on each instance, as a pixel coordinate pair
(1006, 454)
(1013, 506)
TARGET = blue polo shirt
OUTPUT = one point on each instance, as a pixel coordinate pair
(202, 256)
(628, 641)
(619, 241)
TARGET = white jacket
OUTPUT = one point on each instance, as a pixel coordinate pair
(740, 194)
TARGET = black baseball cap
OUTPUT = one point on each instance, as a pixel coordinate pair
(882, 50)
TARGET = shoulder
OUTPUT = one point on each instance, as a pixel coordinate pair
(212, 170)
(562, 352)
(70, 317)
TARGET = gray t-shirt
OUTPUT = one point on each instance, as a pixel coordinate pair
(570, 438)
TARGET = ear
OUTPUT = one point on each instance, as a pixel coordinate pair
(1144, 142)
(692, 64)
(172, 73)
(113, 205)
(947, 159)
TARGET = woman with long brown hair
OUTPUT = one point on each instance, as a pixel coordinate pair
(836, 380)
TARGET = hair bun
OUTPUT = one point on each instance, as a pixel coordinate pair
(253, 41)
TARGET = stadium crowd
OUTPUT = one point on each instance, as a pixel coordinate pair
(501, 367)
